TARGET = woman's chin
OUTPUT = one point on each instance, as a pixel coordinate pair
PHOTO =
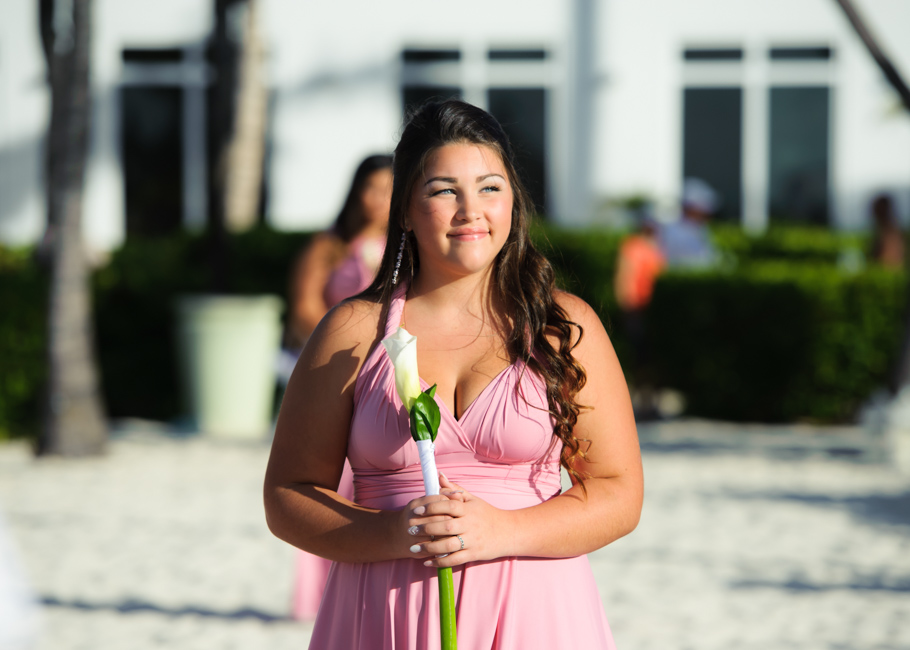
(475, 267)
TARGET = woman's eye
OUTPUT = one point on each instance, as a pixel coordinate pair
(491, 188)
(447, 190)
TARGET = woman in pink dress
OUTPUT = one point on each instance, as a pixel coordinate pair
(342, 261)
(527, 380)
(338, 264)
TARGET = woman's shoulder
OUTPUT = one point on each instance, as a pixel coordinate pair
(354, 319)
(593, 333)
(576, 309)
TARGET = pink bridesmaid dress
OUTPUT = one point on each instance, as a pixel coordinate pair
(355, 272)
(350, 277)
(501, 450)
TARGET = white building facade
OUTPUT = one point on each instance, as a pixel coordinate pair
(776, 103)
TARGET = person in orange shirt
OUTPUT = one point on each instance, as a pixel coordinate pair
(639, 263)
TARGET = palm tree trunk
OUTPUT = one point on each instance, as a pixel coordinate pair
(74, 423)
(246, 149)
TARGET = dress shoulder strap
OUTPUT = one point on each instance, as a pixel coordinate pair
(396, 307)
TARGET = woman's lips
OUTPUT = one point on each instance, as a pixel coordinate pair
(469, 235)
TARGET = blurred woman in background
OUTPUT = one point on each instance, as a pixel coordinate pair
(887, 237)
(338, 264)
(342, 261)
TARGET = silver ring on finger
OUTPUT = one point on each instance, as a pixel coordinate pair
(462, 542)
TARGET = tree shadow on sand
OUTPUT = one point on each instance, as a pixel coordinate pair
(135, 606)
(875, 509)
(795, 585)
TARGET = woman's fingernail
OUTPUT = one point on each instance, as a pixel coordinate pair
(413, 530)
(443, 476)
(415, 548)
(419, 510)
(428, 563)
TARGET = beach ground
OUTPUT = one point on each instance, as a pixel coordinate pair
(751, 537)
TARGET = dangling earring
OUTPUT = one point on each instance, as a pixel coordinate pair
(404, 237)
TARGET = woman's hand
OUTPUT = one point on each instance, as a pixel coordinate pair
(458, 529)
(413, 518)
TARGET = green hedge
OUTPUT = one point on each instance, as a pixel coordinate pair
(23, 304)
(799, 244)
(772, 337)
(135, 297)
(777, 342)
(779, 333)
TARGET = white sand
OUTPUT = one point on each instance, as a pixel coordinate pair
(754, 544)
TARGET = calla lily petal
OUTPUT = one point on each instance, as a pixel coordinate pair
(402, 350)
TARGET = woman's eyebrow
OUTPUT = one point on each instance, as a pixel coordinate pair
(445, 179)
(451, 179)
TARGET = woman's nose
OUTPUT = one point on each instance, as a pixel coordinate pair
(469, 208)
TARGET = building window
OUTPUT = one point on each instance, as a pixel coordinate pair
(151, 136)
(155, 56)
(163, 139)
(712, 143)
(713, 54)
(530, 54)
(152, 120)
(522, 113)
(773, 128)
(799, 100)
(799, 53)
(413, 55)
(798, 156)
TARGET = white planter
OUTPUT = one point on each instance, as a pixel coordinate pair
(228, 347)
(897, 430)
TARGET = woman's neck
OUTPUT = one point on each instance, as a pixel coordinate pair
(465, 291)
(458, 305)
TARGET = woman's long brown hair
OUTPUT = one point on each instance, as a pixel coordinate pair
(524, 281)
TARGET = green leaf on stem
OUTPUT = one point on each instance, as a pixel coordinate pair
(425, 417)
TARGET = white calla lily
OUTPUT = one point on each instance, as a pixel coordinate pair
(402, 349)
(423, 415)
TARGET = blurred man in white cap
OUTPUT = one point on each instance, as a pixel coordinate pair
(687, 242)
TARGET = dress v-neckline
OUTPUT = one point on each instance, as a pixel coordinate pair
(424, 384)
(398, 300)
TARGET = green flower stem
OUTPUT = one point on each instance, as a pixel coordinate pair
(447, 609)
(424, 420)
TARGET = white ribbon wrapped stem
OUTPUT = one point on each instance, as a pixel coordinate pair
(427, 451)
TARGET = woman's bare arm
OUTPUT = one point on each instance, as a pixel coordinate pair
(310, 276)
(301, 503)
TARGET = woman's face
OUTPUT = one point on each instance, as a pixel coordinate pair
(461, 209)
(376, 197)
